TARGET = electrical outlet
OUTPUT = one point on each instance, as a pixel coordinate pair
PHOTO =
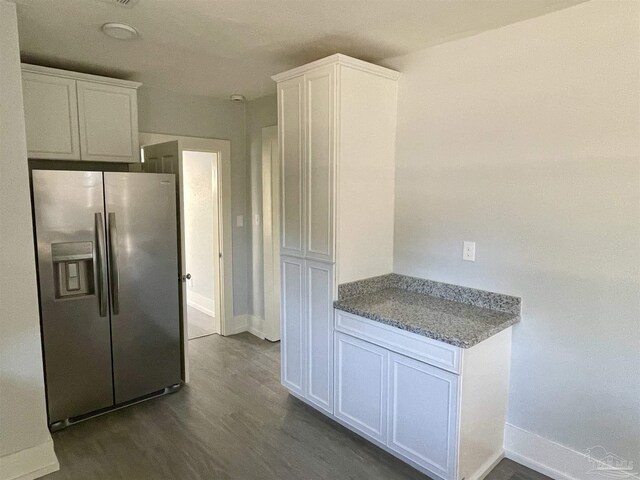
(469, 251)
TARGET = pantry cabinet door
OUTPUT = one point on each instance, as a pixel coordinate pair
(292, 324)
(51, 116)
(291, 143)
(319, 326)
(108, 116)
(320, 88)
(423, 414)
(361, 386)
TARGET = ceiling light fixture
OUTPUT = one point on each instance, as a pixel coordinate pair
(121, 31)
(237, 98)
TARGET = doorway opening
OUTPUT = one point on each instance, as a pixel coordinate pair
(200, 180)
(202, 167)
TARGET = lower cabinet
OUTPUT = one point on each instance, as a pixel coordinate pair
(307, 330)
(438, 407)
(361, 386)
(423, 413)
(407, 405)
(319, 333)
(292, 324)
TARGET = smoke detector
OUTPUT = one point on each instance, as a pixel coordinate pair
(237, 98)
(121, 31)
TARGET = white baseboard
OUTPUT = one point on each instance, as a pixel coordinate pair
(246, 323)
(31, 463)
(202, 303)
(255, 326)
(239, 324)
(487, 466)
(555, 460)
(256, 332)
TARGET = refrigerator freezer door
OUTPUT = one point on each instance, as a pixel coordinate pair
(69, 218)
(143, 260)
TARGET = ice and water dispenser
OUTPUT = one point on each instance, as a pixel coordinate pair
(73, 268)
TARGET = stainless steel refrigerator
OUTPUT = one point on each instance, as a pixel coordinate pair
(108, 276)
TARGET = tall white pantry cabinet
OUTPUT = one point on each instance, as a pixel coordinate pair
(336, 127)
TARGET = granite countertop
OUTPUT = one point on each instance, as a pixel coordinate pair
(448, 313)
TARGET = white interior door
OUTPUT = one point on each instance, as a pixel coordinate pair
(165, 158)
(271, 232)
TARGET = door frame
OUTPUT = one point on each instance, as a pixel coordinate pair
(225, 226)
(271, 232)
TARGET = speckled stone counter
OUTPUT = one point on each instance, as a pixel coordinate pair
(452, 314)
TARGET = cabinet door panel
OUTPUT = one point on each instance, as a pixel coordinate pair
(108, 116)
(51, 116)
(423, 414)
(320, 98)
(291, 133)
(361, 386)
(319, 298)
(292, 324)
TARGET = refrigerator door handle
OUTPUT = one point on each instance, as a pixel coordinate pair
(113, 264)
(101, 265)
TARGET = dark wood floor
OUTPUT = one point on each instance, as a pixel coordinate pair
(233, 421)
(199, 324)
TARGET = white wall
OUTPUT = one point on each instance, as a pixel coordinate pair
(526, 139)
(261, 112)
(25, 443)
(201, 207)
(161, 111)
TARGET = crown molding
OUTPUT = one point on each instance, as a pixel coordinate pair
(56, 72)
(339, 59)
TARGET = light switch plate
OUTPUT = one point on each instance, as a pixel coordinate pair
(240, 221)
(469, 251)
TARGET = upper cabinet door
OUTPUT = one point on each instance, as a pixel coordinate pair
(320, 150)
(108, 116)
(51, 116)
(291, 132)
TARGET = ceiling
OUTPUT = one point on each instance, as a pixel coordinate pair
(220, 47)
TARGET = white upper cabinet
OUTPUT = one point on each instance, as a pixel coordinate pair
(108, 117)
(337, 119)
(51, 116)
(291, 137)
(74, 116)
(320, 163)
